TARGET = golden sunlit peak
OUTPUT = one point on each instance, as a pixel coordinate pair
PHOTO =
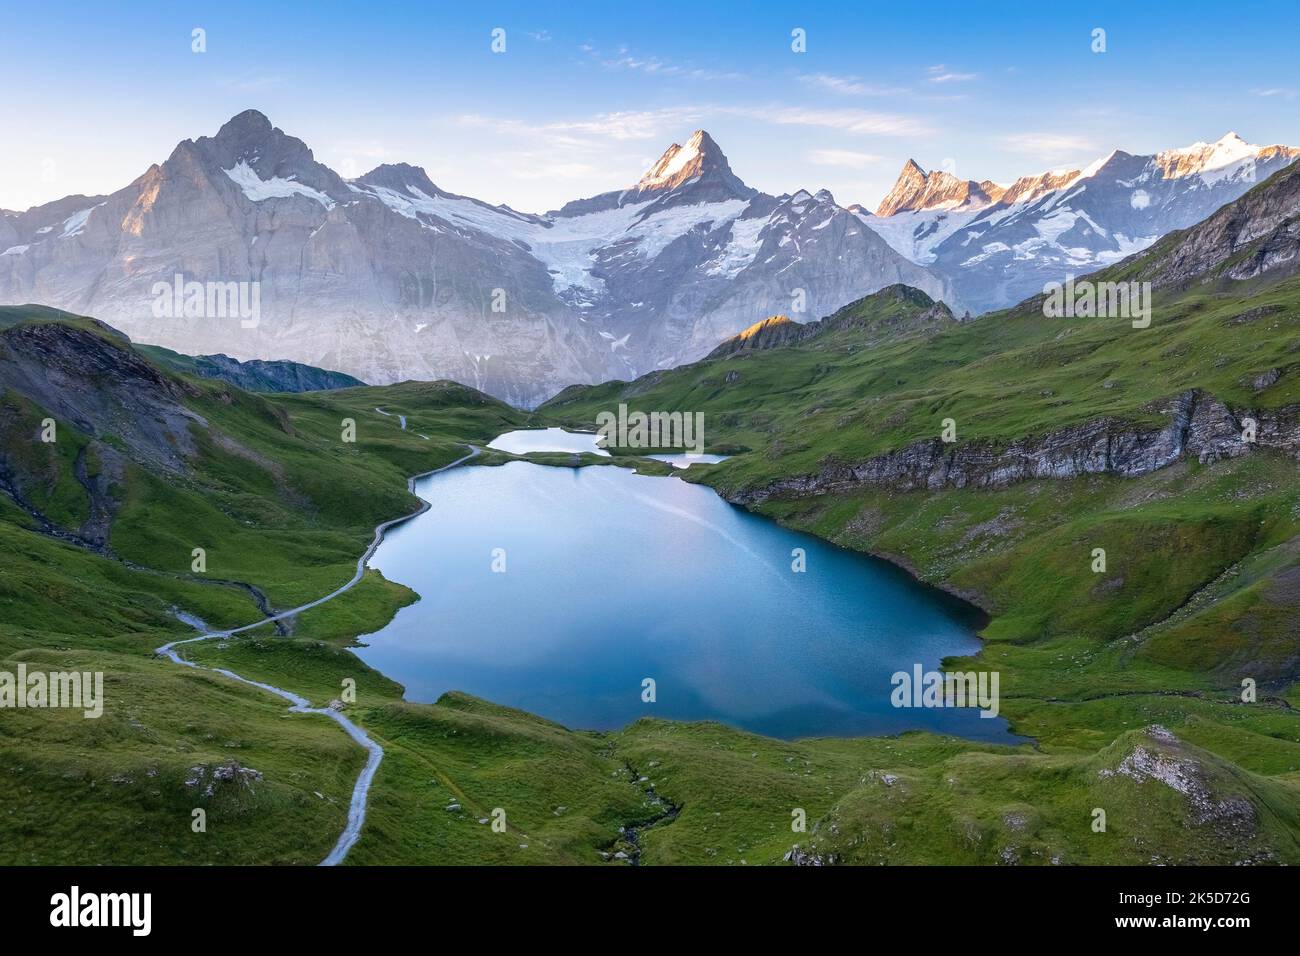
(757, 327)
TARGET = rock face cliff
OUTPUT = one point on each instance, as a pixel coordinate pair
(1198, 427)
(89, 380)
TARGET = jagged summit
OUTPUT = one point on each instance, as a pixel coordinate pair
(249, 136)
(700, 166)
(917, 190)
(258, 157)
(1044, 226)
(1028, 188)
(1227, 152)
(680, 164)
(684, 175)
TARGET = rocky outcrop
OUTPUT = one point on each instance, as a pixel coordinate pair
(1166, 760)
(207, 779)
(1199, 426)
(769, 333)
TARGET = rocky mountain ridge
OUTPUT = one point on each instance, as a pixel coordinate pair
(254, 375)
(389, 277)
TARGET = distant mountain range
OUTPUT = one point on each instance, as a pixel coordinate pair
(388, 277)
(998, 245)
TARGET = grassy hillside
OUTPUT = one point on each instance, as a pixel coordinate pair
(1200, 591)
(1003, 377)
(282, 507)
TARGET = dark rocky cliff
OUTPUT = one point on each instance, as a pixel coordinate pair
(1199, 426)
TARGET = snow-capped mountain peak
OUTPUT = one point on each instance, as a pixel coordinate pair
(1097, 165)
(1029, 188)
(700, 167)
(681, 164)
(1224, 157)
(1003, 249)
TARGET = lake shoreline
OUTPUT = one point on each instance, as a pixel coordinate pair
(852, 715)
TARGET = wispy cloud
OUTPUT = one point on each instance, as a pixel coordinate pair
(845, 158)
(541, 36)
(847, 85)
(250, 82)
(939, 73)
(1050, 147)
(844, 120)
(624, 59)
(541, 166)
(1286, 94)
(624, 125)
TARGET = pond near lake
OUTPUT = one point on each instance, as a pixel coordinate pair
(527, 440)
(611, 577)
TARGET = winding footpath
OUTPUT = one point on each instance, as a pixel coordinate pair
(299, 705)
(400, 418)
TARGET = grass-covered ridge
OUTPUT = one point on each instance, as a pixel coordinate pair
(1002, 377)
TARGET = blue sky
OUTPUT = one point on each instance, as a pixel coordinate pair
(587, 95)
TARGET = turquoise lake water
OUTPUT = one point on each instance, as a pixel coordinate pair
(612, 577)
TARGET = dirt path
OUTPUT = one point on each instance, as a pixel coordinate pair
(361, 792)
